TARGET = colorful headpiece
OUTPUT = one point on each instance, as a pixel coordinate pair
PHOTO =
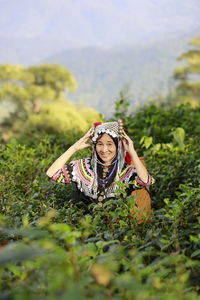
(114, 129)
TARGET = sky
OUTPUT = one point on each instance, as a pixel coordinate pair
(101, 23)
(33, 31)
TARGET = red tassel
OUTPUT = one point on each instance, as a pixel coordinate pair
(95, 124)
(128, 159)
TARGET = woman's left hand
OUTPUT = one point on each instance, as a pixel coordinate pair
(127, 142)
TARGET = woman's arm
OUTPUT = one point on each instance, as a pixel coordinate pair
(140, 168)
(60, 161)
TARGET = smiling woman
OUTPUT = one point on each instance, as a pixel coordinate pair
(95, 177)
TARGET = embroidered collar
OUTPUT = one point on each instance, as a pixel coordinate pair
(83, 175)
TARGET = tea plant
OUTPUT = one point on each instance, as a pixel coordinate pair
(51, 247)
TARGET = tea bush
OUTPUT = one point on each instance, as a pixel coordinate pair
(51, 248)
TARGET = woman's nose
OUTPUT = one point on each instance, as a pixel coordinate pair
(104, 148)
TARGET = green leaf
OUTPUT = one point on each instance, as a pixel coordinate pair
(196, 253)
(179, 137)
(146, 141)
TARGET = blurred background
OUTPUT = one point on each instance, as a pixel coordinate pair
(89, 51)
(63, 65)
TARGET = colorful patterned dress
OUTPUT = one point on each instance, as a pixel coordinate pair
(80, 173)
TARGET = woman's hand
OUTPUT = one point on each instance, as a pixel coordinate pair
(82, 143)
(127, 142)
(60, 161)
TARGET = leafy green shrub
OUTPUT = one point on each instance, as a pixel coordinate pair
(25, 189)
(50, 248)
(157, 122)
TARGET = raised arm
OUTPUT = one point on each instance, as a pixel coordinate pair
(61, 160)
(140, 168)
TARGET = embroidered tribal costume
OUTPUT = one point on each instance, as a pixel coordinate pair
(95, 181)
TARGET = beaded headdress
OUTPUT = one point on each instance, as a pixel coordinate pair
(114, 129)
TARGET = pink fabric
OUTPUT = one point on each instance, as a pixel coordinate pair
(66, 175)
(142, 183)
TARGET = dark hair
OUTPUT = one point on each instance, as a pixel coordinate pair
(100, 168)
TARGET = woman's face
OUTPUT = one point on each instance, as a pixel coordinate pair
(106, 148)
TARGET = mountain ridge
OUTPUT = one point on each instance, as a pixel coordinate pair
(107, 45)
(146, 70)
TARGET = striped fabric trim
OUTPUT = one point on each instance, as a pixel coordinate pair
(126, 173)
(66, 175)
(56, 176)
(84, 171)
(80, 172)
(142, 183)
(88, 167)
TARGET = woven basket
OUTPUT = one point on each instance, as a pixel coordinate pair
(142, 209)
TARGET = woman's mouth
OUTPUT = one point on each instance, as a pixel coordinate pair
(104, 155)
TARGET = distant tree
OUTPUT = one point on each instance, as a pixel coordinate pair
(55, 77)
(188, 76)
(122, 105)
(27, 89)
(63, 116)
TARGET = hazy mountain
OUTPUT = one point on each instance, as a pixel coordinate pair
(33, 29)
(106, 44)
(145, 69)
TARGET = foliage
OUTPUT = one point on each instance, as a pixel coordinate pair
(63, 116)
(159, 123)
(51, 248)
(122, 105)
(188, 87)
(27, 89)
(54, 76)
(169, 136)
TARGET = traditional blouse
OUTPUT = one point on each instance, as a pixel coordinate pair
(81, 173)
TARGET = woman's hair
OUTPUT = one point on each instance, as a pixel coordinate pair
(99, 166)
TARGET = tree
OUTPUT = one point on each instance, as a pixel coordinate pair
(188, 88)
(27, 89)
(122, 105)
(55, 77)
(63, 116)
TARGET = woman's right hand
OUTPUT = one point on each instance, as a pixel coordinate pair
(60, 161)
(82, 143)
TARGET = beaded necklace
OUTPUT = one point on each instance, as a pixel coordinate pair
(104, 164)
(104, 181)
